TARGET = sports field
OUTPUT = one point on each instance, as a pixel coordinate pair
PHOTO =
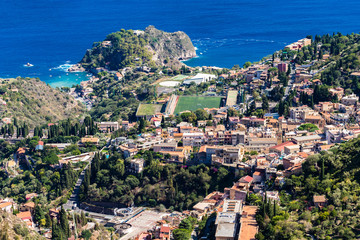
(192, 103)
(231, 98)
(148, 109)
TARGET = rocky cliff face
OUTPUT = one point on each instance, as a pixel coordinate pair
(128, 48)
(12, 227)
(166, 46)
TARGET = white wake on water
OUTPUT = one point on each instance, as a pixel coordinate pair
(63, 67)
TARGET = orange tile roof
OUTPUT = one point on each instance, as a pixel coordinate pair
(5, 204)
(249, 225)
(281, 146)
(302, 154)
(23, 215)
(21, 150)
(30, 204)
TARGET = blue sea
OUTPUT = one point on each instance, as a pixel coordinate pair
(51, 34)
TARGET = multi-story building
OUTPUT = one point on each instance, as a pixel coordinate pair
(350, 100)
(165, 146)
(193, 139)
(306, 139)
(282, 67)
(228, 221)
(137, 165)
(260, 144)
(107, 127)
(292, 160)
(302, 112)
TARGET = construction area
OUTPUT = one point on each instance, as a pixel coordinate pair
(231, 98)
(142, 221)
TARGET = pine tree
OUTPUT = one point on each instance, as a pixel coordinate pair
(312, 101)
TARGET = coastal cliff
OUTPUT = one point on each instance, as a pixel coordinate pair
(174, 46)
(128, 48)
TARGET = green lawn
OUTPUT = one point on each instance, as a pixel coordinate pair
(179, 78)
(193, 103)
(148, 109)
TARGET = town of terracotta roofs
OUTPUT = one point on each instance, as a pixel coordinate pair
(166, 151)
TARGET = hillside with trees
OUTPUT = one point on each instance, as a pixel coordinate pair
(34, 102)
(336, 175)
(175, 186)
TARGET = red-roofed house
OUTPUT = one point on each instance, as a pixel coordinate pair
(246, 179)
(279, 149)
(30, 196)
(26, 217)
(6, 206)
(163, 232)
(40, 146)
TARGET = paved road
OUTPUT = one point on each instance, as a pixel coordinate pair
(73, 201)
(290, 83)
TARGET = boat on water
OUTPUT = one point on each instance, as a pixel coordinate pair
(28, 65)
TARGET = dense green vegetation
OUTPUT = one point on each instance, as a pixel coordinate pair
(334, 174)
(177, 187)
(185, 229)
(126, 50)
(116, 99)
(51, 183)
(308, 127)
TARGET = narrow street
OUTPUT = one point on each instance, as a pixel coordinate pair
(73, 201)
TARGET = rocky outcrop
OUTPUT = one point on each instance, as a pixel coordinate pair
(128, 48)
(12, 227)
(166, 46)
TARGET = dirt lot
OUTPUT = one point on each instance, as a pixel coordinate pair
(142, 222)
(249, 226)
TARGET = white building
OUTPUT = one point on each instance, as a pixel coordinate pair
(200, 78)
(193, 139)
(350, 100)
(227, 221)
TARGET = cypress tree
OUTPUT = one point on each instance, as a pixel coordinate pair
(64, 224)
(56, 232)
(275, 208)
(322, 169)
